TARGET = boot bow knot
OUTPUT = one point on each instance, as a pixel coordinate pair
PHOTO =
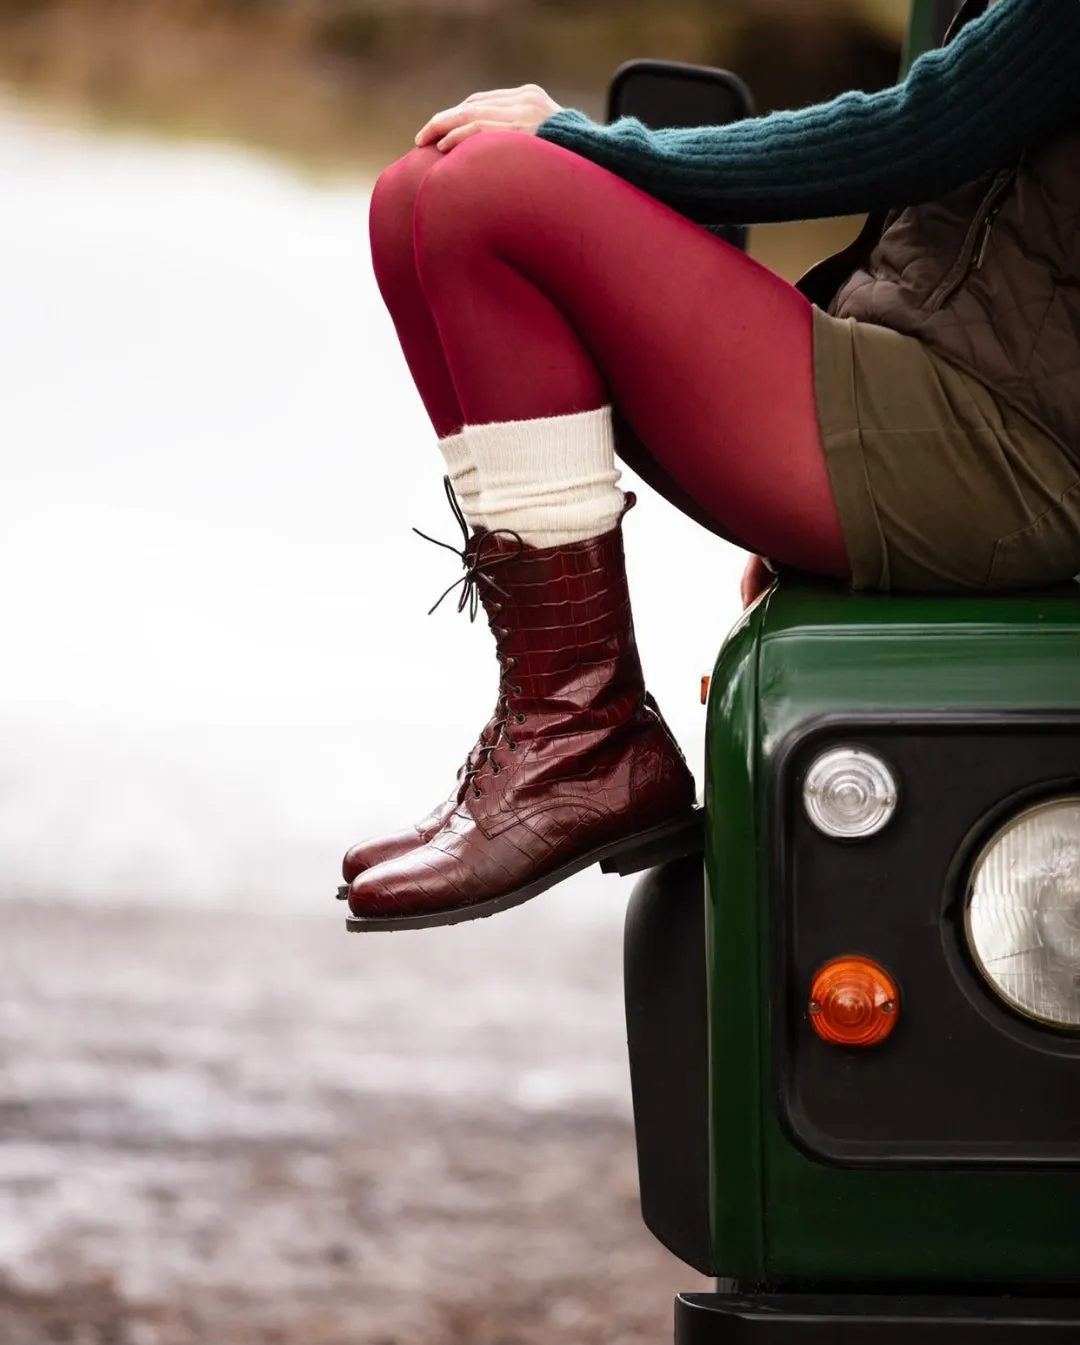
(486, 554)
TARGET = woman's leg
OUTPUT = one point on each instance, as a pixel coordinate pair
(534, 284)
(393, 258)
(552, 292)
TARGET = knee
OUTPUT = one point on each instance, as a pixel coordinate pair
(393, 200)
(481, 181)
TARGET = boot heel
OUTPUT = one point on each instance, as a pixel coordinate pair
(673, 840)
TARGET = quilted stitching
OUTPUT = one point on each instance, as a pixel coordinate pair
(1012, 317)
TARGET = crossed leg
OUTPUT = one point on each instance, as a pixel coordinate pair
(525, 281)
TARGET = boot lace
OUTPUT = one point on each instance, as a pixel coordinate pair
(484, 558)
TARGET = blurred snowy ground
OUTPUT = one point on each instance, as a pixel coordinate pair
(217, 673)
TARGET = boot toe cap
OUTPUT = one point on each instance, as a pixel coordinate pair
(423, 881)
(369, 853)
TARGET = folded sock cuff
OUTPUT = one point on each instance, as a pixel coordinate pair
(552, 480)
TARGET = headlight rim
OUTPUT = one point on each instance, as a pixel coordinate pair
(967, 977)
(1004, 818)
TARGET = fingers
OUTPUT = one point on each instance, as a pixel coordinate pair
(500, 104)
(755, 580)
(503, 95)
(461, 133)
(494, 96)
(746, 596)
(442, 122)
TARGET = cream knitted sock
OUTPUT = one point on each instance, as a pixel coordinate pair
(461, 469)
(551, 480)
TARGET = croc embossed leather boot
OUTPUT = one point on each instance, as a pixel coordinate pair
(576, 767)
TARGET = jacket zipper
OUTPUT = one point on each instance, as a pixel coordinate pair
(973, 259)
(984, 240)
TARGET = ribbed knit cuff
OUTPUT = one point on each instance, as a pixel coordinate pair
(552, 480)
(461, 469)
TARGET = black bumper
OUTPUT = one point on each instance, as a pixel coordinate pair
(851, 1319)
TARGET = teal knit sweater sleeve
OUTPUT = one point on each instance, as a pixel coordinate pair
(1008, 79)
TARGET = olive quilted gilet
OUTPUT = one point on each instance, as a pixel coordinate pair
(988, 276)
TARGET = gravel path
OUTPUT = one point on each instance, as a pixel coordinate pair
(225, 1129)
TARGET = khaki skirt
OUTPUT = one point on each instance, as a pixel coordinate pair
(940, 486)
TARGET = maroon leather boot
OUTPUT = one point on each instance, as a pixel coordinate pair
(577, 767)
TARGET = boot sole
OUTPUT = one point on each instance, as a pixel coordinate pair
(643, 850)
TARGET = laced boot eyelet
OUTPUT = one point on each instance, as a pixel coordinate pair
(512, 746)
(520, 719)
(476, 792)
(516, 691)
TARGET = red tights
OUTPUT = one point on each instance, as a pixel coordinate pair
(525, 281)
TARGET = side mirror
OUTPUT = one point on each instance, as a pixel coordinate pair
(671, 94)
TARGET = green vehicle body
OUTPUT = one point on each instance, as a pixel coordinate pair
(926, 1189)
(803, 653)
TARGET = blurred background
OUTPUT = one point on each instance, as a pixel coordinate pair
(221, 1119)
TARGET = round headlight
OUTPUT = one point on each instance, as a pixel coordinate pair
(849, 792)
(1023, 912)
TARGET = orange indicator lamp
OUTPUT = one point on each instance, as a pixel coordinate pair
(853, 1002)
